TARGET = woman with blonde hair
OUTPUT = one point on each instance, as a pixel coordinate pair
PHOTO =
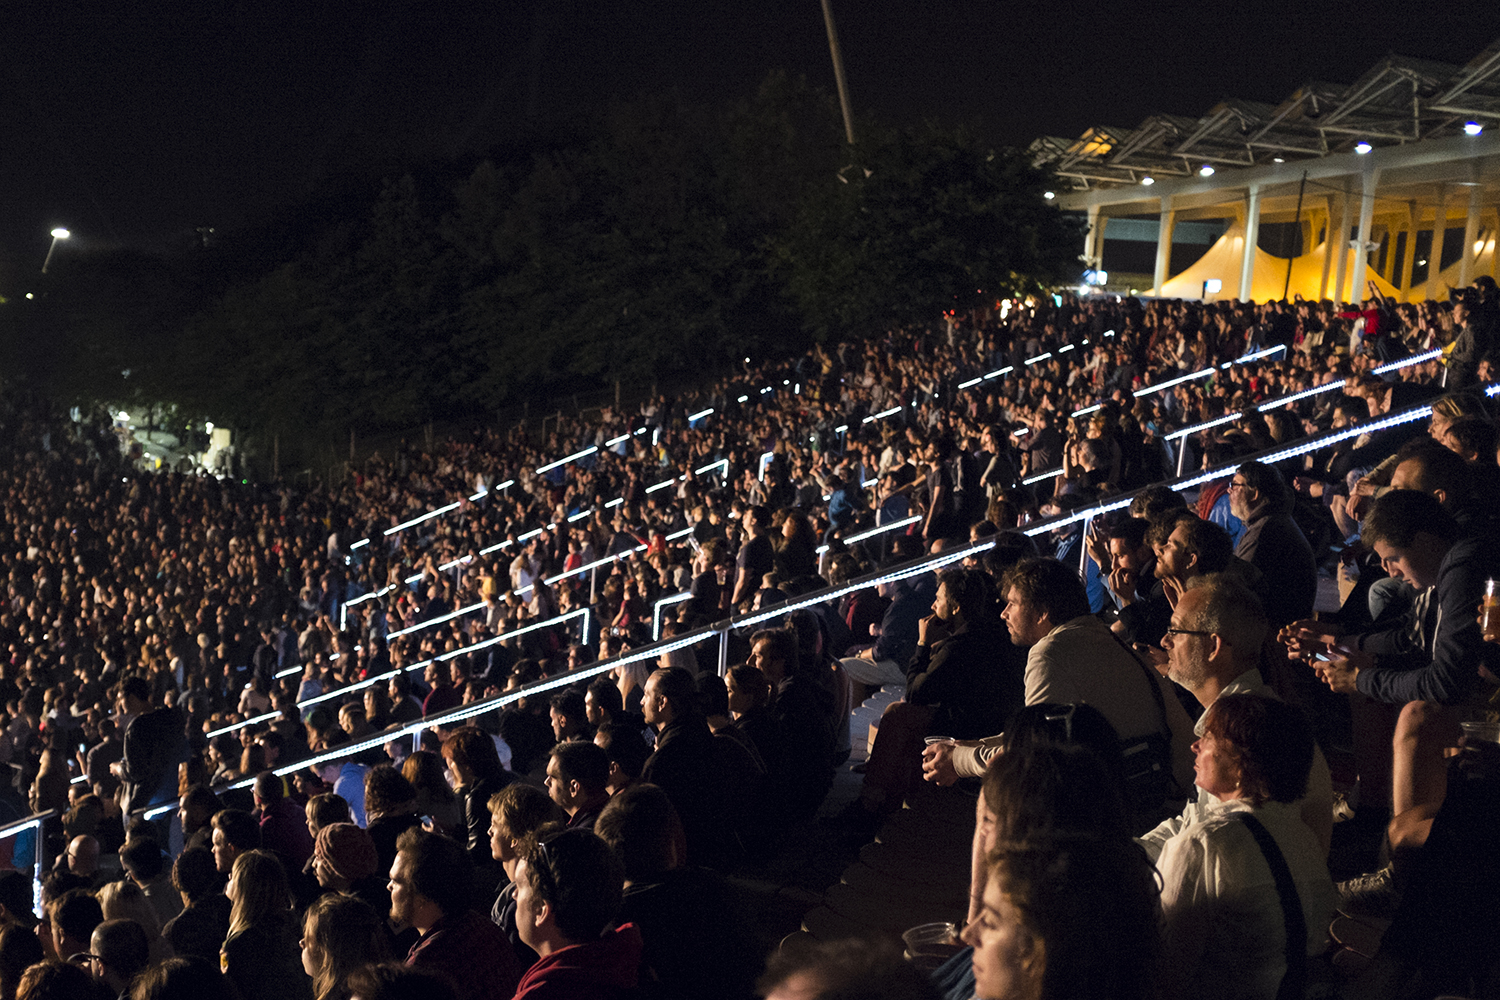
(340, 934)
(261, 954)
(124, 900)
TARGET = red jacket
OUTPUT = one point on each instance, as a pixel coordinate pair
(472, 953)
(599, 970)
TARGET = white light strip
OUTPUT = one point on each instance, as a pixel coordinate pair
(580, 515)
(973, 381)
(660, 486)
(656, 611)
(564, 461)
(1065, 348)
(1001, 371)
(425, 517)
(1269, 457)
(378, 678)
(1148, 390)
(700, 414)
(619, 440)
(1039, 357)
(872, 532)
(1088, 409)
(359, 544)
(1415, 359)
(711, 466)
(1040, 476)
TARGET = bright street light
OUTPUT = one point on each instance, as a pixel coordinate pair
(57, 234)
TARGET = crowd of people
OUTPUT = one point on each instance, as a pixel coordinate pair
(188, 641)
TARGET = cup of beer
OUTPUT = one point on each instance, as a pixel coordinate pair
(1489, 611)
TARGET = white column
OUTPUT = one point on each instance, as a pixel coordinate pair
(1164, 243)
(1338, 245)
(1367, 181)
(1089, 238)
(1409, 257)
(1471, 236)
(1439, 230)
(1327, 245)
(1252, 237)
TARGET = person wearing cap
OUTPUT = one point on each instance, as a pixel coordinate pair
(345, 860)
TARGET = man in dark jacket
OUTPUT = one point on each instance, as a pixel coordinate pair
(1273, 543)
(803, 710)
(705, 776)
(155, 743)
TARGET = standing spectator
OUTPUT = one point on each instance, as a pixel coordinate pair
(154, 745)
(283, 827)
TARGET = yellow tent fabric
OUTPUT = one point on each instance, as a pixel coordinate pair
(1222, 261)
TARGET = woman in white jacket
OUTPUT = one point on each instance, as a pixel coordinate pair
(1225, 922)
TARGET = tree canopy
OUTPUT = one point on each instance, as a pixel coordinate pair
(665, 241)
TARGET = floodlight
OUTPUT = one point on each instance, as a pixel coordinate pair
(1205, 171)
(1473, 128)
(1362, 148)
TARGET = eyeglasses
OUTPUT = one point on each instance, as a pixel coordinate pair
(1187, 631)
(1237, 486)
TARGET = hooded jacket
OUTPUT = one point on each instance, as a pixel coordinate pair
(605, 969)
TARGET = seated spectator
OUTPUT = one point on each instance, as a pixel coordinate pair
(956, 686)
(569, 717)
(199, 930)
(325, 808)
(235, 833)
(390, 810)
(340, 935)
(71, 919)
(1272, 542)
(476, 766)
(849, 968)
(52, 980)
(435, 797)
(16, 901)
(1230, 917)
(283, 827)
(1214, 649)
(120, 953)
(196, 811)
(183, 979)
(802, 709)
(625, 746)
(260, 954)
(577, 780)
(124, 900)
(432, 882)
(19, 950)
(146, 866)
(705, 777)
(696, 930)
(345, 859)
(1075, 658)
(389, 981)
(517, 812)
(569, 889)
(1067, 918)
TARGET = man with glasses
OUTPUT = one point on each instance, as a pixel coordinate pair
(1213, 649)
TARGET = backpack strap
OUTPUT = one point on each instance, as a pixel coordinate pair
(1294, 982)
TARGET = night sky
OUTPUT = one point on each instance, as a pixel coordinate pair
(136, 122)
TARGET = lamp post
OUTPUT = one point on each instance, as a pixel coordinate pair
(57, 234)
